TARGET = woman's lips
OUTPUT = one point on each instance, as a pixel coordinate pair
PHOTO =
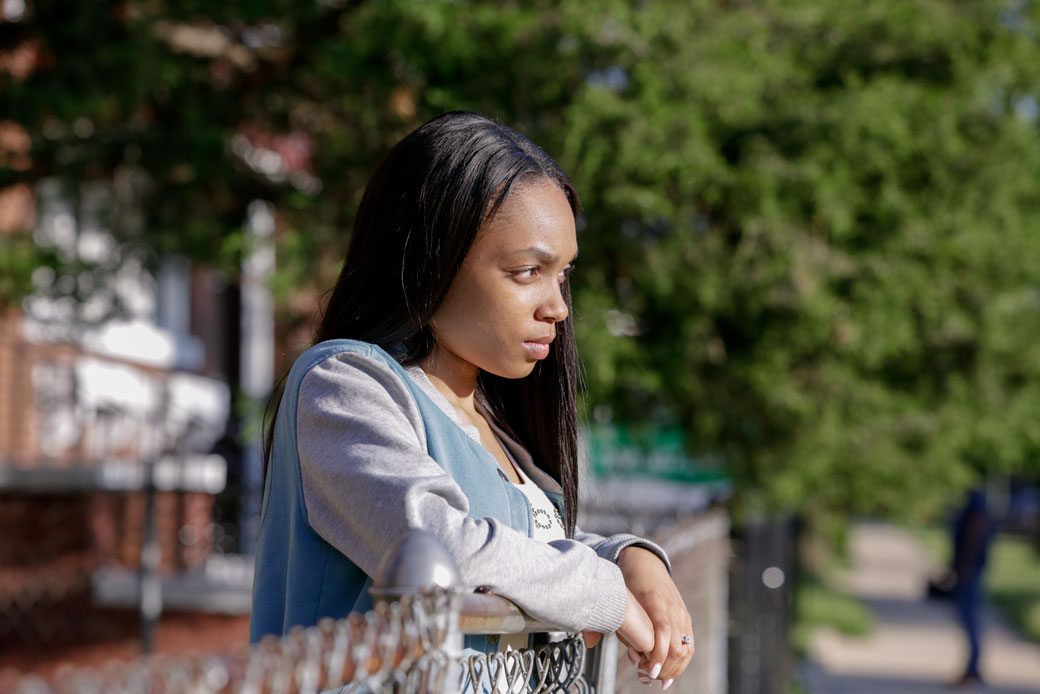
(540, 350)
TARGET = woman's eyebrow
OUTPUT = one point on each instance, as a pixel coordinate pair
(542, 255)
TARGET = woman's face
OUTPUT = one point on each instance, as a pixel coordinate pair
(501, 310)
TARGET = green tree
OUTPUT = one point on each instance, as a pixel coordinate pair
(821, 223)
(810, 228)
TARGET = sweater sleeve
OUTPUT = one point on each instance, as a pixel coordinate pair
(610, 547)
(367, 479)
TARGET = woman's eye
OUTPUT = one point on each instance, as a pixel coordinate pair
(526, 273)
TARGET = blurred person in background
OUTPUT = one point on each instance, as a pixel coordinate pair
(973, 530)
(440, 394)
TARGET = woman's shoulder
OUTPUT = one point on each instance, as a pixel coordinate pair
(343, 356)
(352, 351)
(346, 360)
(349, 376)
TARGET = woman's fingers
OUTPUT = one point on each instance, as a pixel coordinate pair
(636, 631)
(664, 665)
(679, 655)
(669, 656)
(669, 649)
(591, 638)
(662, 648)
(648, 580)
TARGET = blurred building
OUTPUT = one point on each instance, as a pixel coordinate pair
(114, 406)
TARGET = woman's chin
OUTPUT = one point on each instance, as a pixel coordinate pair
(513, 371)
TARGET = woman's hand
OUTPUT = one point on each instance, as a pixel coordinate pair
(648, 581)
(637, 631)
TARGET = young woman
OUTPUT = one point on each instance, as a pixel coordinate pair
(441, 394)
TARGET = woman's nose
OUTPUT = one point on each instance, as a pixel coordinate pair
(554, 307)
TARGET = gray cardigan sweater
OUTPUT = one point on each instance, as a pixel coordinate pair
(367, 478)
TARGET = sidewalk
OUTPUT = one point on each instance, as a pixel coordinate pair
(916, 646)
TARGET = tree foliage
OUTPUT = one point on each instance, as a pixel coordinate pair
(832, 231)
(811, 230)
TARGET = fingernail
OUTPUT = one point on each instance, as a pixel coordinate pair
(645, 681)
(655, 671)
(667, 683)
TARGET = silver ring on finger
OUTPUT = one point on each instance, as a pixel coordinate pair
(686, 640)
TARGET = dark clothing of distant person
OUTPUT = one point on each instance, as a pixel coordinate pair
(972, 536)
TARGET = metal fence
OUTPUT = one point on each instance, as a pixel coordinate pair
(410, 642)
(763, 580)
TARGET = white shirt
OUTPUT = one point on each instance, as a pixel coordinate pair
(546, 524)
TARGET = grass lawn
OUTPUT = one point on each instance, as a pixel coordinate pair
(819, 605)
(1013, 583)
(1012, 577)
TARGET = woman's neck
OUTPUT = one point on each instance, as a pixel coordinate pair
(454, 378)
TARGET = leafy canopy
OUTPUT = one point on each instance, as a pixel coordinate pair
(811, 229)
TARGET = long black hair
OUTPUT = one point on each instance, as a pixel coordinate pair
(417, 220)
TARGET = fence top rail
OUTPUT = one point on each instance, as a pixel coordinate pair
(418, 561)
(481, 613)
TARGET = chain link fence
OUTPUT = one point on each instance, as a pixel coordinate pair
(409, 645)
(397, 647)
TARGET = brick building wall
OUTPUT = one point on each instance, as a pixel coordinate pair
(54, 543)
(72, 500)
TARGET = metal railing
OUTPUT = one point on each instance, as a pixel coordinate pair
(411, 642)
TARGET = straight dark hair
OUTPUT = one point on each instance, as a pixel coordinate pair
(420, 213)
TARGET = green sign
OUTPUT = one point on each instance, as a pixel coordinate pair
(617, 450)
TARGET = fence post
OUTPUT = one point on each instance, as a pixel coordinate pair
(149, 602)
(418, 561)
(601, 667)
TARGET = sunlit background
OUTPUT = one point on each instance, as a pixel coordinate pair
(808, 302)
